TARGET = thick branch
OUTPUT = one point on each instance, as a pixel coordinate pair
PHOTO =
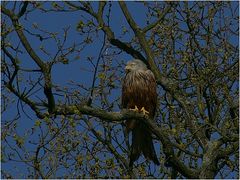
(110, 34)
(125, 115)
(106, 116)
(127, 48)
(162, 80)
(167, 83)
(213, 154)
(45, 68)
(101, 8)
(23, 9)
(111, 37)
(172, 159)
(118, 117)
(22, 37)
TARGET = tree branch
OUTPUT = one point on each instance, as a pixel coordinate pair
(22, 37)
(125, 46)
(119, 117)
(118, 157)
(26, 100)
(45, 68)
(225, 152)
(23, 9)
(167, 83)
(160, 19)
(111, 37)
(76, 7)
(125, 115)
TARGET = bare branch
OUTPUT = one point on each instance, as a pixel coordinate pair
(125, 115)
(43, 66)
(23, 9)
(160, 19)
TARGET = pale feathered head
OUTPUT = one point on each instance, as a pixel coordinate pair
(135, 65)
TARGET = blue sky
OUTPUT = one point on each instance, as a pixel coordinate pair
(62, 73)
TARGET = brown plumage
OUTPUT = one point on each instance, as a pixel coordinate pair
(139, 89)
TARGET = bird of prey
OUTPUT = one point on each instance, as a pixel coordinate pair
(139, 94)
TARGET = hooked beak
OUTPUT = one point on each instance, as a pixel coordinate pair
(127, 68)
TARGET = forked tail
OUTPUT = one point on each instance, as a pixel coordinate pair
(142, 143)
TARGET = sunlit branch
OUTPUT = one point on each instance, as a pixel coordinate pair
(125, 115)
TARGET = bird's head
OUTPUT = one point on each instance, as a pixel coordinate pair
(135, 65)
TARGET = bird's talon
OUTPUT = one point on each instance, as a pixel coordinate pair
(135, 109)
(144, 111)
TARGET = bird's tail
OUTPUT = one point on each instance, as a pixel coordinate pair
(142, 142)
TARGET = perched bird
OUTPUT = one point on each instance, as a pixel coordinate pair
(139, 94)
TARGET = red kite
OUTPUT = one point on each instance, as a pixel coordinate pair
(139, 94)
